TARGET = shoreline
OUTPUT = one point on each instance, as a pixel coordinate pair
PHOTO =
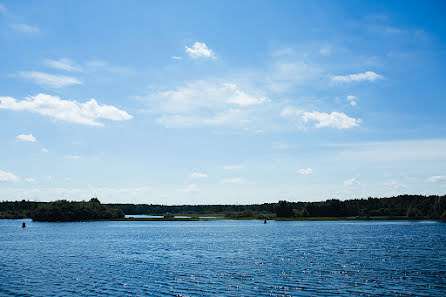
(301, 219)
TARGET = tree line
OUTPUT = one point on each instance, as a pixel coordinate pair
(413, 206)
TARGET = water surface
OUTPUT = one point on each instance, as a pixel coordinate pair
(223, 258)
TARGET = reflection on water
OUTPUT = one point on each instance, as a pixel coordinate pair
(223, 258)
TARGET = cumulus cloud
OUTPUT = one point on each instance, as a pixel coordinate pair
(236, 180)
(8, 177)
(336, 120)
(304, 171)
(63, 64)
(44, 150)
(26, 137)
(49, 80)
(437, 178)
(366, 76)
(24, 28)
(200, 50)
(192, 188)
(198, 175)
(87, 113)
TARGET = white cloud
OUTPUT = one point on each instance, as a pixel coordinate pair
(236, 180)
(230, 117)
(200, 50)
(2, 8)
(44, 150)
(49, 80)
(192, 188)
(72, 157)
(24, 28)
(366, 76)
(232, 167)
(26, 137)
(30, 180)
(8, 177)
(198, 175)
(176, 58)
(351, 182)
(325, 51)
(394, 185)
(336, 120)
(352, 100)
(66, 110)
(104, 66)
(437, 178)
(204, 103)
(203, 94)
(290, 111)
(304, 171)
(63, 64)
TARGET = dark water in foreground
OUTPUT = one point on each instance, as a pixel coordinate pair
(223, 258)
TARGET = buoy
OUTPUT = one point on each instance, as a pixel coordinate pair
(264, 222)
(23, 225)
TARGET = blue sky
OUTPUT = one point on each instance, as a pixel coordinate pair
(194, 102)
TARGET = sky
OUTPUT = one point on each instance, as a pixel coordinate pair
(221, 102)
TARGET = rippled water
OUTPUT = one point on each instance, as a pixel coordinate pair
(223, 258)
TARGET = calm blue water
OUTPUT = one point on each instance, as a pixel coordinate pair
(223, 258)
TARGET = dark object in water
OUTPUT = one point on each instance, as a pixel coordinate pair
(23, 225)
(264, 222)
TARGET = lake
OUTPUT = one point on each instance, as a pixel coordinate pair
(223, 258)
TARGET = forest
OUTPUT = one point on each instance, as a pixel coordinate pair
(59, 211)
(411, 206)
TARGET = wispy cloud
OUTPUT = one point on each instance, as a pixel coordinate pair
(2, 8)
(49, 80)
(176, 58)
(192, 188)
(87, 113)
(105, 66)
(236, 180)
(44, 150)
(437, 178)
(30, 180)
(351, 182)
(203, 103)
(8, 177)
(72, 157)
(63, 64)
(24, 28)
(304, 171)
(26, 137)
(232, 167)
(198, 175)
(357, 77)
(200, 50)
